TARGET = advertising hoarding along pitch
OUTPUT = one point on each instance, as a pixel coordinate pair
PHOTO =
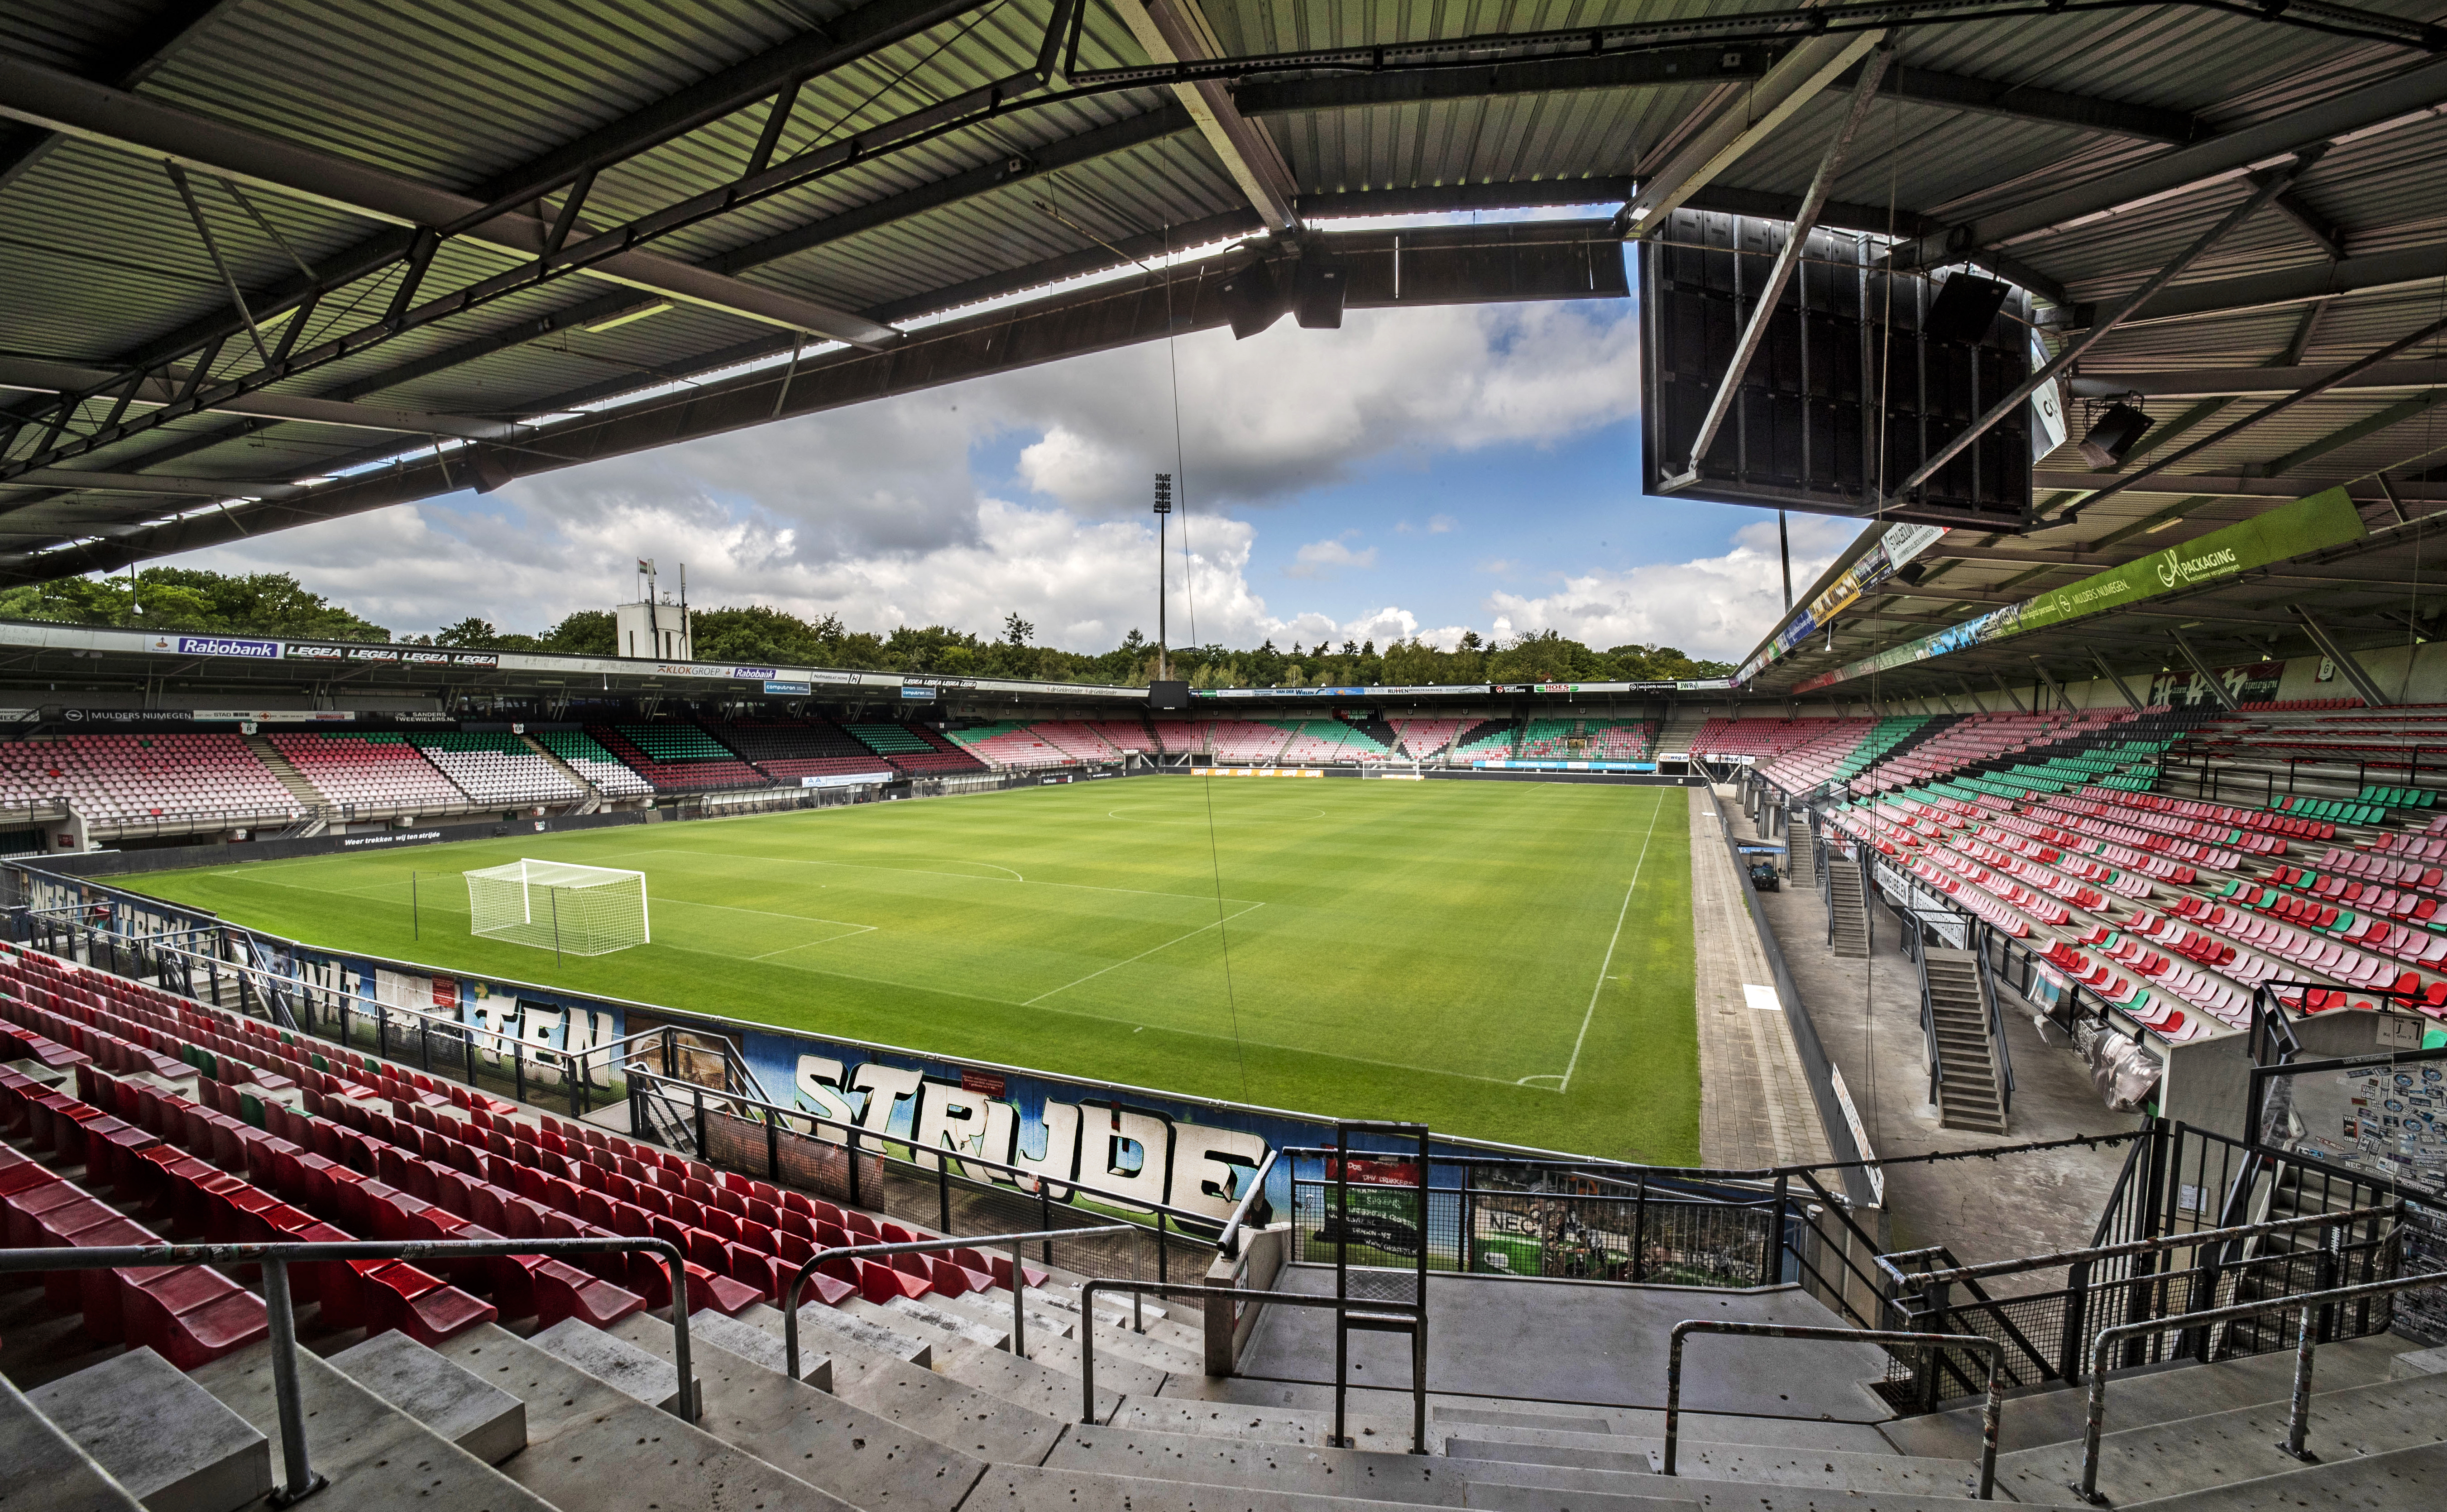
(2324, 520)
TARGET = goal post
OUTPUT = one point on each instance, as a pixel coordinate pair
(559, 905)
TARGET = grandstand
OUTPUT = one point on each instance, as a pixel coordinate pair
(676, 758)
(914, 749)
(793, 750)
(129, 780)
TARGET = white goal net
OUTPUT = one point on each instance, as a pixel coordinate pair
(558, 906)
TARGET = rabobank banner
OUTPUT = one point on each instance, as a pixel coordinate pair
(219, 645)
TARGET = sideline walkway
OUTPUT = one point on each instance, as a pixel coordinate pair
(1754, 1103)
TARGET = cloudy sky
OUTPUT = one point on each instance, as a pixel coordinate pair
(1418, 472)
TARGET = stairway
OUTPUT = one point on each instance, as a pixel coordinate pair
(288, 777)
(594, 794)
(1851, 914)
(1970, 1097)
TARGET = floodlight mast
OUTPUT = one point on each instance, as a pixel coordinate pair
(1163, 510)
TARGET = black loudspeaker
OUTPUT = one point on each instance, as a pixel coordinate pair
(1965, 308)
(1167, 695)
(1253, 299)
(1318, 286)
(491, 472)
(2118, 428)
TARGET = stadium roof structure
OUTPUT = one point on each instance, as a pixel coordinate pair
(266, 264)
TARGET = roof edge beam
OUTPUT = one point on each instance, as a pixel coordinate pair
(2109, 673)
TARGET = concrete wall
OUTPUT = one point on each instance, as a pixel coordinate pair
(1230, 1323)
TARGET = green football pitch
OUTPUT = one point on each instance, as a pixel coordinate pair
(1503, 961)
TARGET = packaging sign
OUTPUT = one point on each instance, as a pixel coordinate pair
(2324, 520)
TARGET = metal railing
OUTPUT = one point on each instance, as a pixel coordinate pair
(276, 1259)
(2047, 1335)
(1227, 1243)
(1342, 1307)
(1974, 1342)
(852, 1252)
(2308, 1304)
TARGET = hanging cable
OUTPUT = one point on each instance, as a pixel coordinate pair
(1189, 595)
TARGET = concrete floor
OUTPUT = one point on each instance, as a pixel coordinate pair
(1868, 1015)
(1595, 1343)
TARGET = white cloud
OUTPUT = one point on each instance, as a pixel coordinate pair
(1715, 607)
(1324, 558)
(1442, 524)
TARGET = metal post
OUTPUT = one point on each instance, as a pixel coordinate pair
(2298, 1415)
(1639, 1231)
(944, 1191)
(555, 894)
(700, 1122)
(1019, 1302)
(2076, 1317)
(415, 913)
(1771, 1260)
(303, 1482)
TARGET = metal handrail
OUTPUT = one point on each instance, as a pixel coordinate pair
(1228, 1242)
(1976, 1343)
(1414, 1311)
(2298, 1412)
(852, 1252)
(276, 1260)
(1914, 1279)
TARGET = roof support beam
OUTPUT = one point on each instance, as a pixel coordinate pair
(2230, 486)
(2054, 686)
(2415, 94)
(2368, 274)
(128, 65)
(1700, 67)
(2202, 669)
(1172, 32)
(161, 389)
(1793, 81)
(112, 482)
(1764, 301)
(2344, 660)
(2109, 673)
(2395, 414)
(2256, 382)
(2268, 189)
(46, 97)
(2319, 385)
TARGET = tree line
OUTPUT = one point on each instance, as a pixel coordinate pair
(276, 604)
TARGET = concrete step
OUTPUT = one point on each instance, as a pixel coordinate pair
(1064, 1294)
(2404, 1481)
(475, 1416)
(1032, 1384)
(1313, 1470)
(1029, 1488)
(1570, 1468)
(374, 1455)
(2137, 1398)
(842, 1450)
(590, 1446)
(1530, 1416)
(759, 1347)
(1647, 1423)
(170, 1442)
(1125, 1377)
(956, 1327)
(47, 1470)
(994, 1310)
(643, 1374)
(2225, 1449)
(1683, 1495)
(1309, 1426)
(838, 1328)
(922, 1401)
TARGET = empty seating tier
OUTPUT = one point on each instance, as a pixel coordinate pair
(374, 770)
(588, 759)
(677, 758)
(915, 750)
(497, 768)
(793, 748)
(118, 781)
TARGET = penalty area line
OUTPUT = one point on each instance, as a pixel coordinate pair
(1141, 956)
(1620, 914)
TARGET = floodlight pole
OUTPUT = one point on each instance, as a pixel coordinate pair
(1163, 515)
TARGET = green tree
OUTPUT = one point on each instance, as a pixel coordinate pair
(192, 599)
(470, 633)
(587, 633)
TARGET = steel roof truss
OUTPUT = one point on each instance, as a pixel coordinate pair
(2344, 660)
